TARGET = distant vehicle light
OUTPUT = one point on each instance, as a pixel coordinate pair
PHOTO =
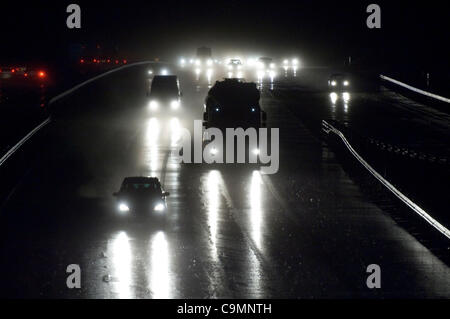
(41, 74)
(150, 72)
(285, 62)
(117, 61)
(272, 65)
(197, 71)
(154, 105)
(197, 62)
(209, 62)
(25, 75)
(123, 207)
(294, 61)
(175, 105)
(124, 61)
(333, 83)
(82, 61)
(217, 109)
(253, 109)
(182, 61)
(159, 207)
(164, 72)
(346, 83)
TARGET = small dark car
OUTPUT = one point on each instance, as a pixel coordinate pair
(141, 195)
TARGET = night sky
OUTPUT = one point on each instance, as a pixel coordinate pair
(319, 32)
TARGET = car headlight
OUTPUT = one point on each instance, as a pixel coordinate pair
(154, 105)
(333, 83)
(123, 207)
(175, 105)
(346, 83)
(159, 207)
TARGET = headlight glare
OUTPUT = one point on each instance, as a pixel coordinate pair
(123, 207)
(175, 105)
(154, 105)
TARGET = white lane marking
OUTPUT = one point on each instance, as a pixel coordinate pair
(22, 141)
(58, 97)
(435, 96)
(416, 208)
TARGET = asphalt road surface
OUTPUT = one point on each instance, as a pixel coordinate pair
(307, 231)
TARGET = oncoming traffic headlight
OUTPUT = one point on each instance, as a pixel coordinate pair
(154, 105)
(333, 83)
(159, 207)
(123, 207)
(175, 105)
(346, 83)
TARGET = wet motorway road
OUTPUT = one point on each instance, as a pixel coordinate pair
(305, 232)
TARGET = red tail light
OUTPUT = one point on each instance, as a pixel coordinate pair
(41, 74)
(95, 60)
(124, 61)
(25, 75)
(117, 61)
(81, 61)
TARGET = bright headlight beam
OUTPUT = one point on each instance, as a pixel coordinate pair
(175, 105)
(153, 105)
(159, 207)
(123, 207)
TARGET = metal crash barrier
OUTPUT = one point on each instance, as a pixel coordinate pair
(328, 128)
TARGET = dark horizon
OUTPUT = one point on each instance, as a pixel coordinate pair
(318, 33)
